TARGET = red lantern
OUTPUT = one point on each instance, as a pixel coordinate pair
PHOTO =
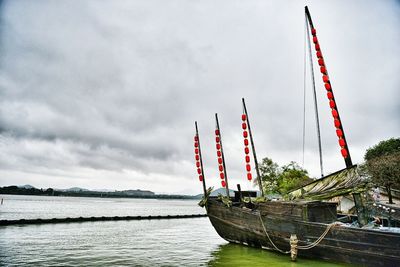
(319, 54)
(342, 142)
(198, 164)
(217, 132)
(244, 117)
(222, 175)
(219, 154)
(323, 69)
(321, 62)
(196, 151)
(315, 40)
(329, 95)
(198, 170)
(246, 150)
(337, 123)
(245, 134)
(246, 142)
(332, 104)
(328, 86)
(223, 183)
(248, 167)
(196, 138)
(244, 126)
(317, 47)
(217, 139)
(325, 78)
(201, 178)
(249, 176)
(344, 152)
(339, 133)
(218, 146)
(313, 31)
(247, 159)
(196, 144)
(220, 160)
(197, 157)
(335, 114)
(221, 168)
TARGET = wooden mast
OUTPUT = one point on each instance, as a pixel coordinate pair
(201, 160)
(335, 112)
(222, 154)
(362, 216)
(253, 148)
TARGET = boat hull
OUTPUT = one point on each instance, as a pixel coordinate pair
(341, 244)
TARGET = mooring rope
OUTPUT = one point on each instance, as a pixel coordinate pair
(295, 246)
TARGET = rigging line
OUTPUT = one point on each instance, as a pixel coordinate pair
(304, 86)
(315, 101)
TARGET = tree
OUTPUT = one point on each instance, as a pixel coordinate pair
(382, 162)
(277, 179)
(291, 177)
(269, 175)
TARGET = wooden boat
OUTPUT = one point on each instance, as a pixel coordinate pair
(309, 228)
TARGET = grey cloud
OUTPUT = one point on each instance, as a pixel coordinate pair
(94, 86)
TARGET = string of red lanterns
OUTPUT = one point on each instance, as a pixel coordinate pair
(219, 155)
(246, 147)
(331, 98)
(197, 157)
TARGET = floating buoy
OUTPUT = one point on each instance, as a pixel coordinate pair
(342, 142)
(313, 31)
(248, 167)
(249, 176)
(337, 123)
(246, 142)
(328, 86)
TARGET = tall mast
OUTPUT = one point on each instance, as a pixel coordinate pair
(332, 103)
(203, 178)
(253, 148)
(315, 103)
(219, 142)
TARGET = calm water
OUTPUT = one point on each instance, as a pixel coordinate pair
(184, 242)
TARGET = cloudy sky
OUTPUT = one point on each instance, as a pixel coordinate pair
(104, 94)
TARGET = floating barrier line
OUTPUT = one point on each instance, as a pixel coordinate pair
(95, 219)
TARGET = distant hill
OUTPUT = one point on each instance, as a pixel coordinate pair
(27, 186)
(75, 189)
(222, 191)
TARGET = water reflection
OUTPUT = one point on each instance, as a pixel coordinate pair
(238, 255)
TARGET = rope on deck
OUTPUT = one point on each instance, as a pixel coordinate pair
(94, 219)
